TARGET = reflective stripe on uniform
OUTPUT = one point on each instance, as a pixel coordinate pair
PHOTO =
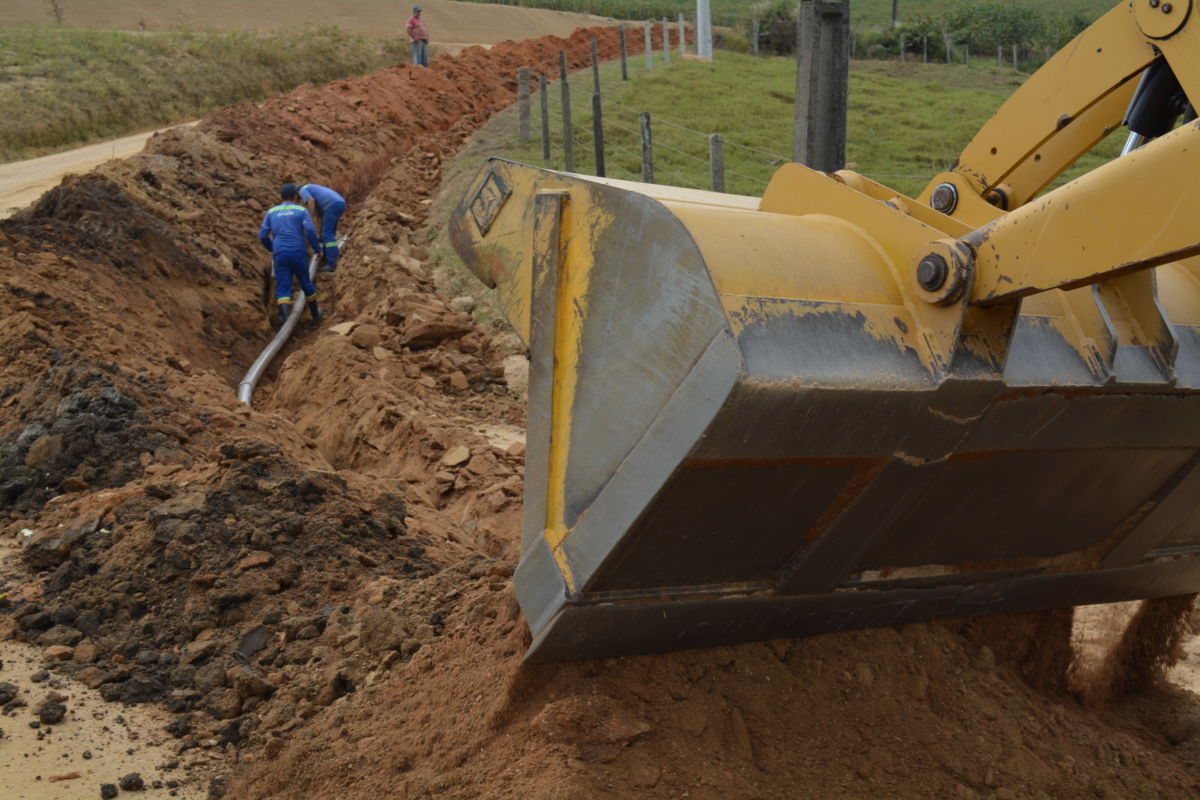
(282, 300)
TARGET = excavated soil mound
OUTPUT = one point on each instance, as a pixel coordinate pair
(321, 586)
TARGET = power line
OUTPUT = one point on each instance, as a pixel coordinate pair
(776, 158)
(747, 177)
(658, 145)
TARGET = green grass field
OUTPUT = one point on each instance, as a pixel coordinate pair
(906, 123)
(865, 14)
(61, 87)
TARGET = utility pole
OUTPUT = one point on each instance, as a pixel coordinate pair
(822, 79)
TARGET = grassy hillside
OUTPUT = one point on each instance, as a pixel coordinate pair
(907, 121)
(878, 13)
(866, 14)
(61, 87)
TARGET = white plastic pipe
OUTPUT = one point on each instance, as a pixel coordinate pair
(246, 387)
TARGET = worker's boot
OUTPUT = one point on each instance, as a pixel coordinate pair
(330, 257)
(284, 308)
(315, 310)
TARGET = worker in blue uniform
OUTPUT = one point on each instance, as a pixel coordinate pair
(323, 202)
(284, 231)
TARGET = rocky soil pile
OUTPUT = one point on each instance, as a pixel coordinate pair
(322, 584)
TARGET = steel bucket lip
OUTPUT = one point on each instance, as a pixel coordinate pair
(579, 630)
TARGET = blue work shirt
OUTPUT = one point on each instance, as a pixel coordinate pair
(285, 229)
(323, 196)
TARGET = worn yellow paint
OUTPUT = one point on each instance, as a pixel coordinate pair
(581, 223)
(951, 226)
(1078, 317)
(1028, 178)
(1071, 236)
(883, 322)
(899, 238)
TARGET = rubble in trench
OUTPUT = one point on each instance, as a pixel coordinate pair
(321, 586)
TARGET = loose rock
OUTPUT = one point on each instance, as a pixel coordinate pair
(51, 712)
(132, 782)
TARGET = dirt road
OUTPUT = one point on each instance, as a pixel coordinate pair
(453, 27)
(22, 182)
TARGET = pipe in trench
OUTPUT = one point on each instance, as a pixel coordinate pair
(246, 387)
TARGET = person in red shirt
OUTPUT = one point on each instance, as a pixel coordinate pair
(418, 36)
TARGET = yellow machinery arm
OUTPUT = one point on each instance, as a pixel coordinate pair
(838, 407)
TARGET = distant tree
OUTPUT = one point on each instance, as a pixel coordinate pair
(56, 8)
(1062, 27)
(777, 32)
(988, 25)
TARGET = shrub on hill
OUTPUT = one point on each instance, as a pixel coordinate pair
(62, 86)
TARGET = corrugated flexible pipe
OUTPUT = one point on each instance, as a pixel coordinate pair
(246, 387)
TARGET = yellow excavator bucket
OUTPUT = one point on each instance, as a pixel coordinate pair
(835, 407)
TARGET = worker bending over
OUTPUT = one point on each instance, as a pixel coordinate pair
(284, 230)
(327, 204)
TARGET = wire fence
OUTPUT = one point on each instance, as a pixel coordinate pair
(676, 153)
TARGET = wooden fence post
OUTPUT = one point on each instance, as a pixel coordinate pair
(682, 35)
(649, 47)
(523, 104)
(716, 162)
(924, 49)
(568, 140)
(598, 134)
(666, 41)
(624, 68)
(946, 41)
(1015, 64)
(545, 101)
(647, 152)
(595, 68)
(754, 39)
(902, 47)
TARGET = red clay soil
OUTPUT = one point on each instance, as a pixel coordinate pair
(322, 584)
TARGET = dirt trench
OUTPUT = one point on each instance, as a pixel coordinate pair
(321, 585)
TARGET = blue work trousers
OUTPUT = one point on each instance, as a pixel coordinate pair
(288, 266)
(329, 222)
(420, 49)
